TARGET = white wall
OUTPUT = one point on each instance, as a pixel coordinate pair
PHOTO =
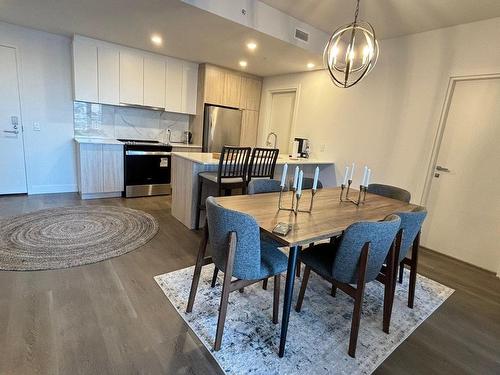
(389, 120)
(46, 97)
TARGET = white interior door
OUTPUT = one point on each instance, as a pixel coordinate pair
(464, 202)
(281, 118)
(12, 169)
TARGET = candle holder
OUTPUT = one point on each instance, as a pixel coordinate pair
(313, 193)
(280, 207)
(343, 187)
(361, 194)
(295, 202)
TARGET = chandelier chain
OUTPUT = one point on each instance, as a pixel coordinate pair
(356, 13)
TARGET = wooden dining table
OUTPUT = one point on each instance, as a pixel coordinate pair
(329, 218)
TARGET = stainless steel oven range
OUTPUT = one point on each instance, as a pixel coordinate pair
(147, 168)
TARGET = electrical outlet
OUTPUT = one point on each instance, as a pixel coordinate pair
(322, 148)
(36, 126)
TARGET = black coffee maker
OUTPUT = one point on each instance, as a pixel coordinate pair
(303, 147)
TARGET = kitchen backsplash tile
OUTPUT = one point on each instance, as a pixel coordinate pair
(106, 121)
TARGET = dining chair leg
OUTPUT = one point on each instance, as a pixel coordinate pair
(358, 301)
(276, 299)
(333, 292)
(214, 277)
(303, 286)
(264, 284)
(198, 203)
(226, 289)
(197, 269)
(413, 271)
(401, 272)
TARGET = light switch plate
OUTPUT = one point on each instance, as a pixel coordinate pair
(36, 126)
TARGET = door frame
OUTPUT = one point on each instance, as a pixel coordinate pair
(269, 108)
(19, 93)
(443, 119)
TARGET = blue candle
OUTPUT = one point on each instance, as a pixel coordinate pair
(299, 189)
(316, 176)
(283, 175)
(295, 177)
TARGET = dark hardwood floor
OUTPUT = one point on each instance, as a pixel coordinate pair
(112, 318)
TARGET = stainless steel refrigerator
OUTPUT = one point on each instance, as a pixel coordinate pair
(221, 126)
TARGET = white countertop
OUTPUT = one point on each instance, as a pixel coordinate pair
(102, 141)
(206, 158)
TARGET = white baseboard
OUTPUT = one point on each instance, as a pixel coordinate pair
(48, 189)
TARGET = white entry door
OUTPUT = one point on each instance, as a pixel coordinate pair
(464, 198)
(12, 168)
(281, 119)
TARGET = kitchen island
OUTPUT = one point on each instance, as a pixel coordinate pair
(187, 165)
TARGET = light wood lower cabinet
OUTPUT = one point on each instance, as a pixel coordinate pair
(249, 128)
(100, 170)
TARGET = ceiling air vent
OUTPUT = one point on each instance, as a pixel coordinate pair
(301, 35)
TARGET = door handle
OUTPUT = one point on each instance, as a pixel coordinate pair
(11, 131)
(442, 169)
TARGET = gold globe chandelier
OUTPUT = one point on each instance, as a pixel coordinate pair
(351, 52)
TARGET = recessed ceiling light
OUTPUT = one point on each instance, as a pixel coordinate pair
(243, 63)
(156, 39)
(251, 46)
(310, 65)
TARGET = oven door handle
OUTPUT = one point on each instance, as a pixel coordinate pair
(147, 153)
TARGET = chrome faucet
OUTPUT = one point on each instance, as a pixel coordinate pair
(268, 142)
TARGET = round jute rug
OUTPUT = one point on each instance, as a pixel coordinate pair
(72, 236)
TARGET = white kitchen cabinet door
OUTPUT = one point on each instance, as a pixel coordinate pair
(173, 87)
(108, 64)
(85, 71)
(131, 78)
(189, 88)
(154, 82)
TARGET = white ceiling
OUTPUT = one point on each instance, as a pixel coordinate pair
(200, 36)
(390, 18)
(188, 32)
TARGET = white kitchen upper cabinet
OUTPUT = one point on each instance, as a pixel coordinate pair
(173, 87)
(154, 82)
(85, 71)
(108, 62)
(189, 88)
(131, 78)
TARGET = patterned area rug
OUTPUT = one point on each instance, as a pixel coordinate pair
(318, 336)
(72, 236)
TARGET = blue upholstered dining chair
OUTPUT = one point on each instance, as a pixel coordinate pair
(307, 183)
(260, 186)
(389, 191)
(237, 250)
(411, 224)
(355, 258)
